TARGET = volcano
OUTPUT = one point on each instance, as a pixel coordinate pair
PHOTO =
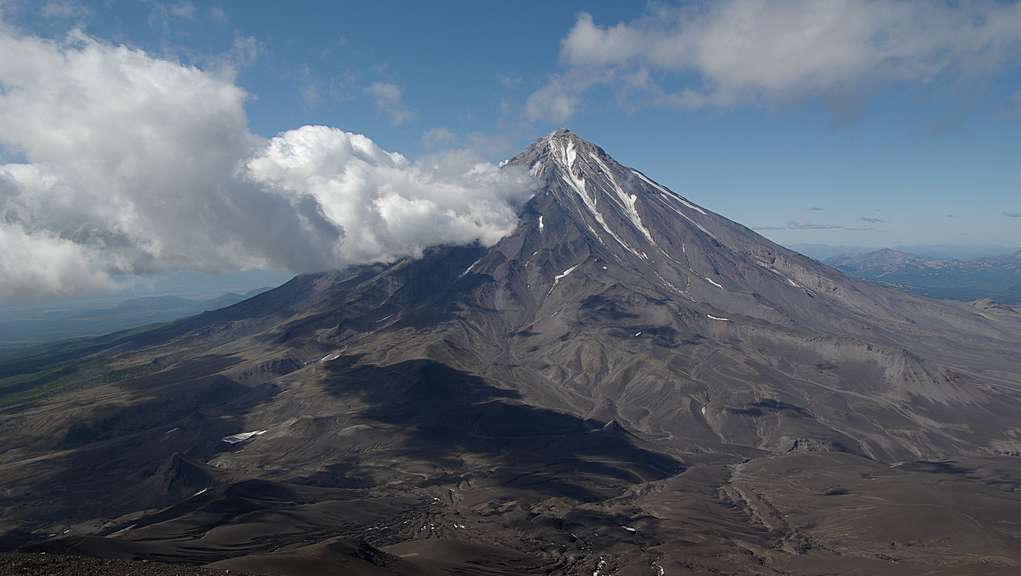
(628, 383)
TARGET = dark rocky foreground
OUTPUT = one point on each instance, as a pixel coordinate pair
(45, 564)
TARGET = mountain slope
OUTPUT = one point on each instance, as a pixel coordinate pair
(612, 388)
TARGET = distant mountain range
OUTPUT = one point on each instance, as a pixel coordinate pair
(37, 325)
(995, 277)
(822, 252)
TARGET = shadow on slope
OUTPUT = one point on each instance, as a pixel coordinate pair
(248, 517)
(450, 415)
(146, 450)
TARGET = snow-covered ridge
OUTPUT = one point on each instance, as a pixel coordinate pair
(565, 155)
(668, 193)
(627, 201)
(688, 218)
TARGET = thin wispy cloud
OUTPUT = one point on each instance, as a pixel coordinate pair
(753, 52)
(162, 13)
(558, 100)
(1014, 103)
(815, 209)
(244, 51)
(389, 98)
(182, 10)
(1012, 214)
(65, 10)
(802, 225)
(317, 90)
(438, 136)
(872, 220)
(508, 80)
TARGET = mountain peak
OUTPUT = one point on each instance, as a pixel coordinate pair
(586, 186)
(564, 135)
(560, 149)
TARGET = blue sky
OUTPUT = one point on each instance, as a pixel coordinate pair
(912, 155)
(811, 145)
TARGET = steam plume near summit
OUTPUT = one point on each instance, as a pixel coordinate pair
(131, 164)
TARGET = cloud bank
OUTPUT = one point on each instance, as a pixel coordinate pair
(752, 52)
(130, 164)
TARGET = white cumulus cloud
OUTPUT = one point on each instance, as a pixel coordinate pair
(384, 205)
(133, 164)
(750, 52)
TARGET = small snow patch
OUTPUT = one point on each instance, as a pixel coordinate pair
(713, 282)
(637, 334)
(711, 317)
(330, 357)
(630, 529)
(540, 223)
(561, 276)
(200, 492)
(243, 436)
(122, 530)
(470, 268)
